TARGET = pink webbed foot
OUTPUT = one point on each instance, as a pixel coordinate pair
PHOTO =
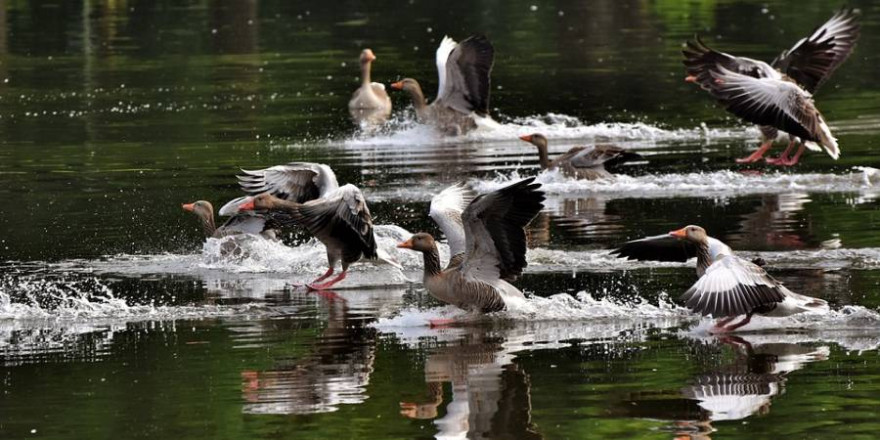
(328, 284)
(440, 322)
(758, 154)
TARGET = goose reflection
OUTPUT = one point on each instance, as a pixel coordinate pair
(745, 387)
(577, 220)
(774, 224)
(490, 394)
(335, 372)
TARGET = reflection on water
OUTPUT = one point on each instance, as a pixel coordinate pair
(735, 390)
(334, 371)
(491, 396)
(117, 320)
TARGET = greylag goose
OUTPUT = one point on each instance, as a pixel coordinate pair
(487, 241)
(728, 286)
(340, 220)
(587, 163)
(239, 223)
(463, 92)
(370, 103)
(778, 96)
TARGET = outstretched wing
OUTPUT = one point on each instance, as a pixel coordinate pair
(813, 59)
(767, 101)
(295, 182)
(446, 209)
(732, 286)
(494, 231)
(466, 82)
(657, 248)
(698, 57)
(341, 218)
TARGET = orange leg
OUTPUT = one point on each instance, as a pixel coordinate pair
(758, 154)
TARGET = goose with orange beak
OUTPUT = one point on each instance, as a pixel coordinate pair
(464, 71)
(728, 286)
(370, 103)
(339, 219)
(778, 96)
(487, 241)
(585, 163)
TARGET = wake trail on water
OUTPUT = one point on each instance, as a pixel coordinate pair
(404, 131)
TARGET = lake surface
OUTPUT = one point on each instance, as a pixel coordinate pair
(118, 319)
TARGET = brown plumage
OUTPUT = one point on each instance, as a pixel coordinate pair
(340, 220)
(464, 71)
(587, 163)
(778, 96)
(241, 223)
(492, 226)
(728, 286)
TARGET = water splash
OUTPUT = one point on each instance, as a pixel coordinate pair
(404, 131)
(702, 184)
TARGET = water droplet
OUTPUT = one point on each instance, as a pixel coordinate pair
(533, 8)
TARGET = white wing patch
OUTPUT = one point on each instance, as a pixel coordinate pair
(446, 47)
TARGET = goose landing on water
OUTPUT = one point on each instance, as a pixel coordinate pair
(487, 244)
(779, 96)
(728, 286)
(340, 220)
(462, 100)
(585, 163)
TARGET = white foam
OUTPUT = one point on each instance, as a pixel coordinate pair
(403, 131)
(702, 184)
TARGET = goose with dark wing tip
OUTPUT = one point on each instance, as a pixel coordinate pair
(586, 163)
(462, 100)
(779, 96)
(728, 286)
(370, 103)
(487, 242)
(239, 223)
(340, 220)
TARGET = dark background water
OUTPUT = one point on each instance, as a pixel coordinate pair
(112, 113)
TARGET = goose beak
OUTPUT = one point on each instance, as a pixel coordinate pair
(678, 233)
(247, 206)
(397, 86)
(188, 207)
(527, 138)
(406, 244)
(690, 79)
(370, 55)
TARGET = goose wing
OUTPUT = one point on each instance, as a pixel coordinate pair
(446, 210)
(464, 86)
(494, 231)
(732, 286)
(768, 101)
(295, 182)
(601, 155)
(813, 59)
(657, 248)
(698, 57)
(341, 218)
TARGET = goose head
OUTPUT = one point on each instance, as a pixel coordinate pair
(422, 242)
(692, 233)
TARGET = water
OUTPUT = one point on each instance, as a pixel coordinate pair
(118, 319)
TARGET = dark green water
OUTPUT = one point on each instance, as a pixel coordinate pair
(116, 323)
